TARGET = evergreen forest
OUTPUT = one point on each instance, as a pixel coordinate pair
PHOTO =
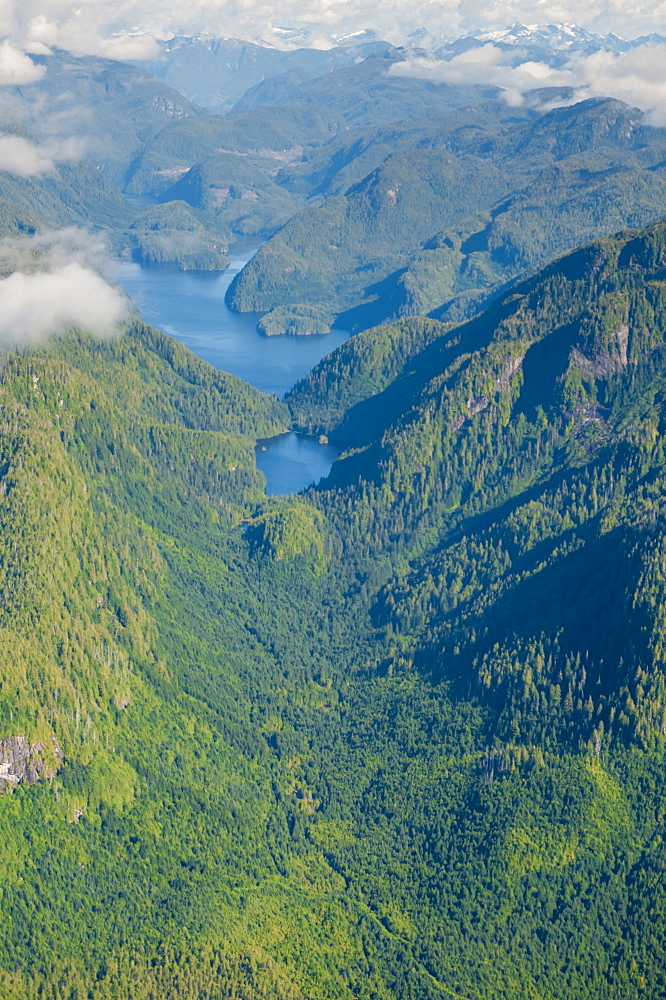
(401, 736)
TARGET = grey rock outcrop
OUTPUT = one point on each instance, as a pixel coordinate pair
(21, 760)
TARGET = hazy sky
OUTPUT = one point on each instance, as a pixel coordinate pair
(108, 26)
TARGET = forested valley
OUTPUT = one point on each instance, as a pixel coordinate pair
(400, 736)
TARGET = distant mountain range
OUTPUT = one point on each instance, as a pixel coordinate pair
(216, 72)
(557, 37)
(309, 126)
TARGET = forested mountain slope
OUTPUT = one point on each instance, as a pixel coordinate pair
(467, 202)
(112, 106)
(524, 450)
(399, 737)
(70, 194)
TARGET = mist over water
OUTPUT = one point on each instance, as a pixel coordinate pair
(190, 306)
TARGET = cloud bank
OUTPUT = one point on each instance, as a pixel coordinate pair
(636, 77)
(52, 289)
(123, 29)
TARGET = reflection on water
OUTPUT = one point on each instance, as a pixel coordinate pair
(291, 462)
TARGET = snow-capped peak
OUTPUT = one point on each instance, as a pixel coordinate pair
(354, 37)
(556, 36)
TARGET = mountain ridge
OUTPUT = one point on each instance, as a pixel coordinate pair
(399, 736)
(319, 745)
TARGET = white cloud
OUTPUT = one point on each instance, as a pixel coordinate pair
(122, 28)
(125, 46)
(636, 77)
(55, 286)
(488, 65)
(23, 158)
(16, 67)
(18, 156)
(33, 306)
(56, 248)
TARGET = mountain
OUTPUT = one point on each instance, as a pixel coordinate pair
(139, 138)
(136, 129)
(364, 94)
(547, 36)
(550, 40)
(237, 193)
(112, 108)
(226, 166)
(78, 194)
(70, 194)
(563, 375)
(178, 233)
(216, 72)
(470, 200)
(399, 736)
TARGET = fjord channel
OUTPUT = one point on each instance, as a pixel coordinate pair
(190, 306)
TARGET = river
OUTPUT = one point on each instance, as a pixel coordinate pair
(190, 306)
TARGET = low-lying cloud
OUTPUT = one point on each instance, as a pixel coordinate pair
(16, 67)
(23, 158)
(636, 77)
(33, 306)
(55, 285)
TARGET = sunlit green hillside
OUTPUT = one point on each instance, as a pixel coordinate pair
(399, 737)
(432, 217)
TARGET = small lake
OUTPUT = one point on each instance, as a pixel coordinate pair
(291, 462)
(190, 306)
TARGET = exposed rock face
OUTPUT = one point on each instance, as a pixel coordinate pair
(606, 363)
(477, 404)
(21, 760)
(511, 368)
